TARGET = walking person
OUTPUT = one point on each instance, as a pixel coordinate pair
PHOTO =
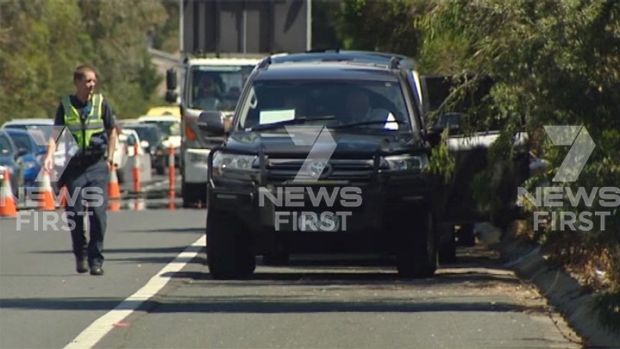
(90, 120)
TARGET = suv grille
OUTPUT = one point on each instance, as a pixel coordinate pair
(354, 170)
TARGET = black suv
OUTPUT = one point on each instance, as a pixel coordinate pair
(327, 152)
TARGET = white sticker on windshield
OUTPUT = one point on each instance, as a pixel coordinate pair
(271, 116)
(391, 123)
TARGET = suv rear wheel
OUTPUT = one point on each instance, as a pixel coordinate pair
(229, 253)
(447, 243)
(416, 254)
(466, 235)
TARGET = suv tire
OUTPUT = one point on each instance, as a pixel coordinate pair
(193, 195)
(417, 253)
(447, 246)
(229, 252)
(466, 235)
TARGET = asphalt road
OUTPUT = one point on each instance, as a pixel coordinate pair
(325, 302)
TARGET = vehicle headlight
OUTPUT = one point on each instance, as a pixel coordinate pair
(405, 162)
(223, 163)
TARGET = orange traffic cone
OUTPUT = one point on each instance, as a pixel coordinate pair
(114, 205)
(46, 194)
(7, 200)
(135, 171)
(114, 190)
(171, 200)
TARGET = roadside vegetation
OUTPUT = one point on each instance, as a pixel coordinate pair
(42, 41)
(553, 63)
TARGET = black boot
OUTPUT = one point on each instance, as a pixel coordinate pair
(96, 270)
(80, 265)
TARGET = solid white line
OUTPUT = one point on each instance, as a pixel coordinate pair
(100, 327)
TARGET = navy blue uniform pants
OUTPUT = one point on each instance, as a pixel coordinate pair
(88, 190)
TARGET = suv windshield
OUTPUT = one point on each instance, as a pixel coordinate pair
(377, 105)
(217, 88)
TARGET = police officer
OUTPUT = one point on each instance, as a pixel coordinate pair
(89, 119)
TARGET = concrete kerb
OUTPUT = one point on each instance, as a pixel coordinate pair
(564, 293)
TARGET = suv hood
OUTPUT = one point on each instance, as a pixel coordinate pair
(346, 143)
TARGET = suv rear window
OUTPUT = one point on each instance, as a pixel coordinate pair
(334, 102)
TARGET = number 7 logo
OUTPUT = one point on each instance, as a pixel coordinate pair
(581, 148)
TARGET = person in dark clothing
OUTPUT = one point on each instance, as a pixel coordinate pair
(87, 116)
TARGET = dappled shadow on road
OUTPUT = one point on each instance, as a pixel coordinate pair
(167, 230)
(283, 304)
(476, 266)
(298, 288)
(79, 303)
(343, 277)
(150, 260)
(259, 304)
(175, 249)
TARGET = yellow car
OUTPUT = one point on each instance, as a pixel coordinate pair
(164, 110)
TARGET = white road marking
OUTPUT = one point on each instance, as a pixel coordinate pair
(100, 327)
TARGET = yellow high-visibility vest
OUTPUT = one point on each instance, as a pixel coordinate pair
(83, 131)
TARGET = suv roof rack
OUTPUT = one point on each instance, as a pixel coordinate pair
(264, 63)
(389, 60)
(394, 62)
(319, 50)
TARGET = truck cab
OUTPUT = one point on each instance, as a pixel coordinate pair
(208, 84)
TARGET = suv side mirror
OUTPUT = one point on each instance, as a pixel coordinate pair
(171, 86)
(433, 135)
(171, 79)
(212, 122)
(171, 96)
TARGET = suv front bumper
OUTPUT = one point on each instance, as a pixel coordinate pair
(362, 207)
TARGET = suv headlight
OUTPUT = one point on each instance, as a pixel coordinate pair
(405, 162)
(223, 163)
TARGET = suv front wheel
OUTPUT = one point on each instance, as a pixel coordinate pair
(417, 253)
(229, 252)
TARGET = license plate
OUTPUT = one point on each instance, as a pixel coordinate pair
(308, 221)
(314, 222)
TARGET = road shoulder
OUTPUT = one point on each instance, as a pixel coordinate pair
(564, 293)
